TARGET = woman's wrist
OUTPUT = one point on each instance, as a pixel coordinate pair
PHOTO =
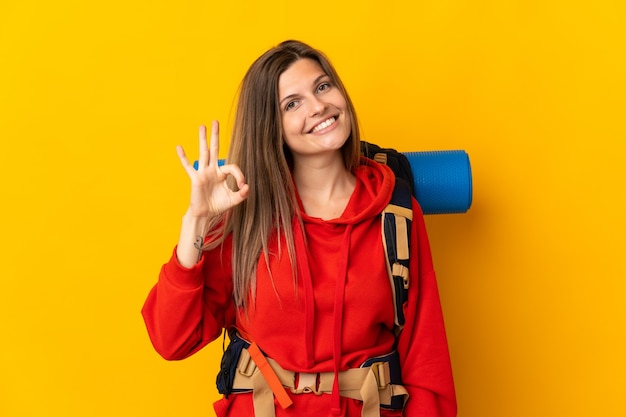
(193, 221)
(191, 242)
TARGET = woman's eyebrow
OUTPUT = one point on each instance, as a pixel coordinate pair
(315, 81)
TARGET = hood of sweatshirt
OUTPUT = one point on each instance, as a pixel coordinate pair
(374, 185)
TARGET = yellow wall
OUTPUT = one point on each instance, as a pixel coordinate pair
(94, 96)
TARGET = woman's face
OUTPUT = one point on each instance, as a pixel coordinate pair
(313, 109)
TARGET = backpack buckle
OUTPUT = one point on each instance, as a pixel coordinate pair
(246, 365)
(381, 373)
(399, 270)
(307, 383)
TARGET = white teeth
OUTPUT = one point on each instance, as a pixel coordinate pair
(324, 124)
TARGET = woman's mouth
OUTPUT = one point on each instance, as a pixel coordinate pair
(324, 124)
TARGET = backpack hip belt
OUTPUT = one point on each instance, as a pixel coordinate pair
(371, 383)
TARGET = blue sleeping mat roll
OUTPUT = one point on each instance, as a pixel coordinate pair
(442, 180)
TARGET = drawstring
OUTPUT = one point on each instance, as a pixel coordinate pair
(304, 272)
(340, 289)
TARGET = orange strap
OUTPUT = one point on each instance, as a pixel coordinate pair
(270, 376)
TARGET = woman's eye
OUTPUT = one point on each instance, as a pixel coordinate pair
(323, 87)
(291, 105)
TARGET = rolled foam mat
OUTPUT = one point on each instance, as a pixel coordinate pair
(442, 181)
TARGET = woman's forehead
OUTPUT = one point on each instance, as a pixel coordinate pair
(303, 73)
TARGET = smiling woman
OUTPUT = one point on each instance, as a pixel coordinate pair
(315, 117)
(316, 125)
(288, 258)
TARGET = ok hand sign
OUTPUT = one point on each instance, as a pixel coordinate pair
(210, 194)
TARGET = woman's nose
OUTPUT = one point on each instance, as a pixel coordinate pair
(317, 106)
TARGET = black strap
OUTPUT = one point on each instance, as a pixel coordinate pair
(398, 258)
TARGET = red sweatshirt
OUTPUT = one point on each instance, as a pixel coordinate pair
(340, 314)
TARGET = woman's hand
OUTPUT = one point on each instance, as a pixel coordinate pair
(210, 194)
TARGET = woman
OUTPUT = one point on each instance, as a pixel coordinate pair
(282, 247)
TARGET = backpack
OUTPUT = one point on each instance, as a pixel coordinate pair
(396, 224)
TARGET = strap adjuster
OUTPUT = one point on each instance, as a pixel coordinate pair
(381, 158)
(399, 270)
(381, 373)
(246, 365)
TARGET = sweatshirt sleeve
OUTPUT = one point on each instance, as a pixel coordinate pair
(188, 307)
(422, 345)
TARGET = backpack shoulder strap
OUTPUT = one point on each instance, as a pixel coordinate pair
(396, 229)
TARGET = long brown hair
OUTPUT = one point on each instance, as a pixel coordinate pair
(258, 148)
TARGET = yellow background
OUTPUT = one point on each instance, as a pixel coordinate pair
(94, 96)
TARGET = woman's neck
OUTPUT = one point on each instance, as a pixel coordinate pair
(324, 185)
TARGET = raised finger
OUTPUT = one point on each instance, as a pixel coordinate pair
(215, 143)
(183, 160)
(203, 159)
